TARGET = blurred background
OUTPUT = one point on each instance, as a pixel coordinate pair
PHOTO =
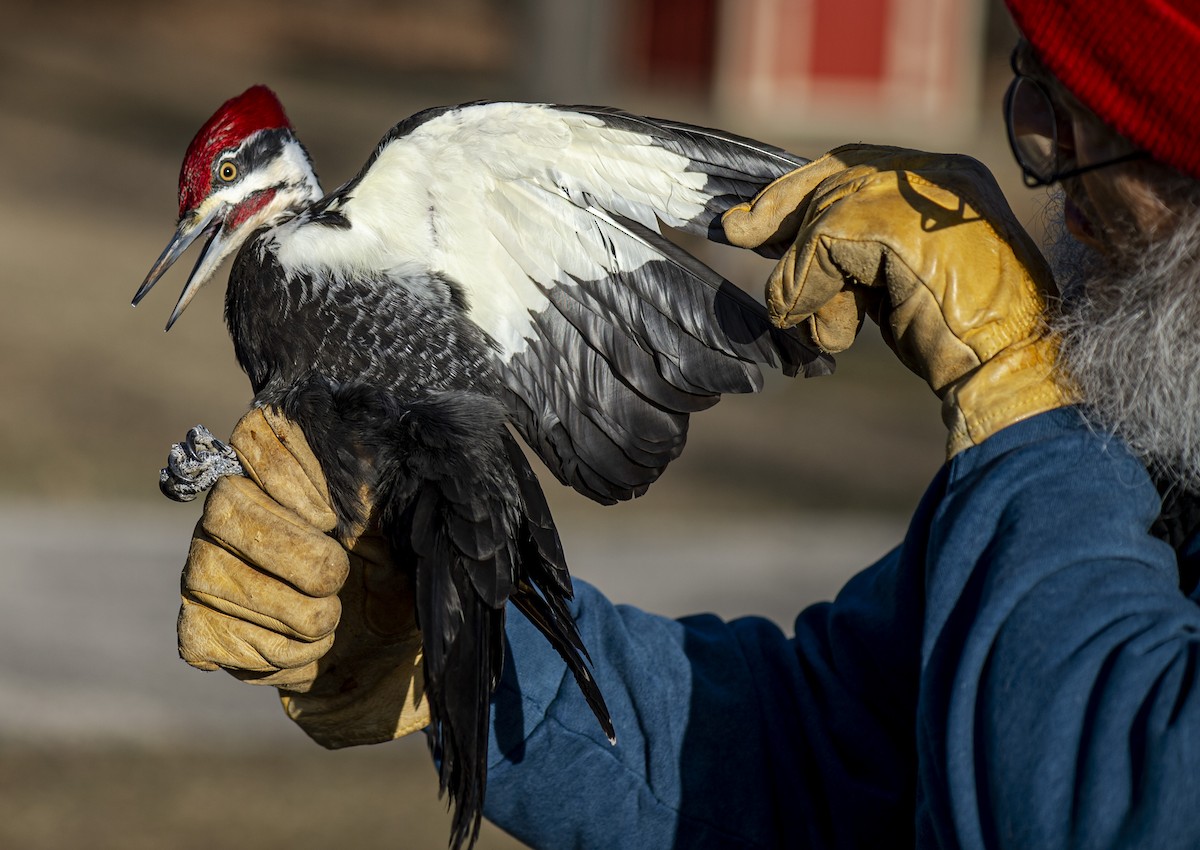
(106, 738)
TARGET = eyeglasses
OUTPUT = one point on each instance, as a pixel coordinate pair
(1035, 129)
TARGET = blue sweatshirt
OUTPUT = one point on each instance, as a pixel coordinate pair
(1020, 672)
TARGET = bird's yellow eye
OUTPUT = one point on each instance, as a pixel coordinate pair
(227, 171)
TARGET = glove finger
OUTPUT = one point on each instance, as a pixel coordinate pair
(222, 581)
(244, 520)
(208, 637)
(835, 326)
(806, 278)
(297, 679)
(774, 217)
(277, 457)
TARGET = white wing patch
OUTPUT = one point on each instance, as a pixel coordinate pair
(497, 197)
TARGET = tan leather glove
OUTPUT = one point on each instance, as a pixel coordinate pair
(927, 246)
(271, 597)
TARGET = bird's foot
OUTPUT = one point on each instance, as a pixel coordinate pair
(195, 465)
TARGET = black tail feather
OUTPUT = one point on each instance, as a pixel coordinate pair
(460, 507)
(544, 595)
(565, 639)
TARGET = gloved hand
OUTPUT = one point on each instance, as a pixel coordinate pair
(271, 597)
(927, 246)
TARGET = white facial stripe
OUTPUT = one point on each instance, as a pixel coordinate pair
(290, 167)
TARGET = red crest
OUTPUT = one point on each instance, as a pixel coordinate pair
(257, 108)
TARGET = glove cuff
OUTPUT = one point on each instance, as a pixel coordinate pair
(390, 706)
(1019, 382)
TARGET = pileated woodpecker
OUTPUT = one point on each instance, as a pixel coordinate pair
(492, 264)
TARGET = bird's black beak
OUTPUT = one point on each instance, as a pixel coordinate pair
(187, 233)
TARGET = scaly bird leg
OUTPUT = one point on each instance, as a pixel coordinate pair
(195, 465)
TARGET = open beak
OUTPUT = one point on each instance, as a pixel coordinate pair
(210, 256)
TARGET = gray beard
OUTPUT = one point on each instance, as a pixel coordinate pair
(1130, 334)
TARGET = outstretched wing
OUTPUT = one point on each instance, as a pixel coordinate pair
(547, 220)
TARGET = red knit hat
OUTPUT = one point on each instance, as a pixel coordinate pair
(1135, 63)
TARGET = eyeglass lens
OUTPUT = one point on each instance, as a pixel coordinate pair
(1033, 128)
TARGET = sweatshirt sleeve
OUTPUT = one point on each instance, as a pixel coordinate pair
(729, 734)
(1059, 704)
(1020, 672)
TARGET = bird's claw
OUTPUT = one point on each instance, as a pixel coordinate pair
(195, 465)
